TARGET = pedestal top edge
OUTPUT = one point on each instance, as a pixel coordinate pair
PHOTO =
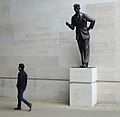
(84, 68)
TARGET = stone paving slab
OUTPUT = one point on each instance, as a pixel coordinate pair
(56, 109)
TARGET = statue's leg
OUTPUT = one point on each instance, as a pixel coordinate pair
(80, 45)
(86, 52)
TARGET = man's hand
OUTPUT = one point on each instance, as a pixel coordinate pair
(70, 26)
(67, 23)
(88, 28)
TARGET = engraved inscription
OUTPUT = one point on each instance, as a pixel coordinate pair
(41, 43)
(103, 47)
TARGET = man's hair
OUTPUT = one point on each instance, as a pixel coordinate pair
(76, 5)
(21, 65)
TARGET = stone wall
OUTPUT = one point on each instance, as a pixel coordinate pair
(34, 32)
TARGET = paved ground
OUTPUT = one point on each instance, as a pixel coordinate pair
(49, 109)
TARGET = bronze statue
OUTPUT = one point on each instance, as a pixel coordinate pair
(80, 20)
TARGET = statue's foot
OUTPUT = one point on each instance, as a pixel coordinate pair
(84, 66)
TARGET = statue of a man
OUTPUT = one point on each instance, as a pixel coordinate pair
(80, 21)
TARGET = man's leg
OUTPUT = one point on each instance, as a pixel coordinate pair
(24, 100)
(80, 45)
(86, 52)
(19, 102)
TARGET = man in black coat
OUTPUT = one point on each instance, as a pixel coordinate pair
(21, 86)
(80, 20)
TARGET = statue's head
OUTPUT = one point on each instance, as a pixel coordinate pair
(76, 7)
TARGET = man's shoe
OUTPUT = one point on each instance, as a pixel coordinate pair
(30, 107)
(18, 108)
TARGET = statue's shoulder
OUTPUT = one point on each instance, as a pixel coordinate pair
(82, 14)
(85, 15)
(73, 17)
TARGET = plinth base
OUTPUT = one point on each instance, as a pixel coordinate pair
(83, 95)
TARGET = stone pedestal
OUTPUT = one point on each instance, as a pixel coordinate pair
(83, 74)
(83, 87)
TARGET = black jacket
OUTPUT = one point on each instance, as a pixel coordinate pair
(22, 80)
(82, 30)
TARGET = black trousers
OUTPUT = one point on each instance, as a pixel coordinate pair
(84, 48)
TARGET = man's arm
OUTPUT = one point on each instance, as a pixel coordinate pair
(71, 26)
(19, 81)
(91, 20)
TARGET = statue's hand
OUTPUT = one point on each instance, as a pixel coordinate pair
(67, 23)
(88, 28)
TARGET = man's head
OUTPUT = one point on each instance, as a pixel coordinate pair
(76, 8)
(21, 66)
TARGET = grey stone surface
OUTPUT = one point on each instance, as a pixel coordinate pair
(83, 75)
(47, 109)
(46, 90)
(108, 92)
(59, 90)
(83, 95)
(49, 48)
